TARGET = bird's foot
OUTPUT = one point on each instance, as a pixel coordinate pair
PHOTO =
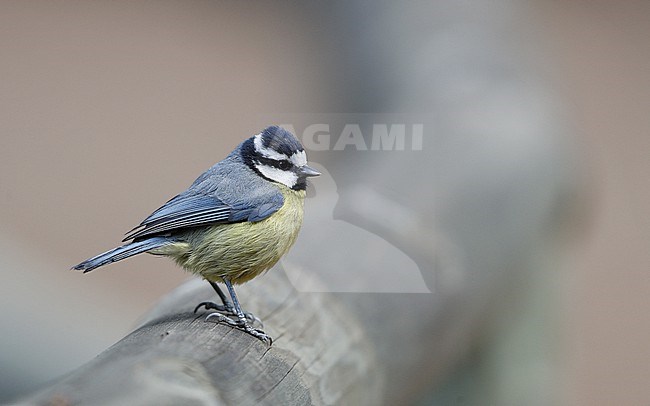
(242, 325)
(255, 332)
(228, 310)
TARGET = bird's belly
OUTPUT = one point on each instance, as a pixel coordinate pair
(241, 251)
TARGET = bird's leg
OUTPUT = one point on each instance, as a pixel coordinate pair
(227, 307)
(241, 323)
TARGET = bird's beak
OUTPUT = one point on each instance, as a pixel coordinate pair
(307, 171)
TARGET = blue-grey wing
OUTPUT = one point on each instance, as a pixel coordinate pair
(197, 209)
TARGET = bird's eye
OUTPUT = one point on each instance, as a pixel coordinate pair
(284, 165)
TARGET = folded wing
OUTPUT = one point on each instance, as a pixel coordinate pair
(196, 209)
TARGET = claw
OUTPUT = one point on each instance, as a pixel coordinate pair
(261, 335)
(228, 310)
(225, 319)
(242, 325)
(214, 306)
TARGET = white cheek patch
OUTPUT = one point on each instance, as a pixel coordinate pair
(299, 159)
(267, 152)
(287, 178)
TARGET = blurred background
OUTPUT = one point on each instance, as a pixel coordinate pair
(108, 109)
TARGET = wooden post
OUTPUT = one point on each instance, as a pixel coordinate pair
(320, 355)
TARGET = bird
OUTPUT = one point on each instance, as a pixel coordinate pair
(234, 222)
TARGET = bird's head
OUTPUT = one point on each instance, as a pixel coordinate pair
(276, 155)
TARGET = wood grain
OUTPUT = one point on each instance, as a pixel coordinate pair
(319, 356)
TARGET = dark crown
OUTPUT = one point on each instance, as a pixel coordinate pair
(280, 140)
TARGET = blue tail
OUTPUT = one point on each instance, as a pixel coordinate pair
(120, 253)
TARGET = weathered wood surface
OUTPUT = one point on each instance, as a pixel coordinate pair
(319, 356)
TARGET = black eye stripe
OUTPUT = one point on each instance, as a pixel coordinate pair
(281, 164)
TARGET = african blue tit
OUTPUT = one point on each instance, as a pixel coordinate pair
(233, 223)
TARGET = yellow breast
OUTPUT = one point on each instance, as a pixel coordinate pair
(241, 251)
